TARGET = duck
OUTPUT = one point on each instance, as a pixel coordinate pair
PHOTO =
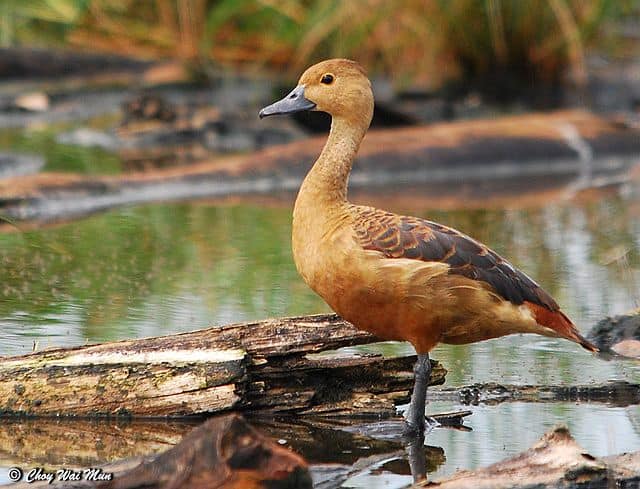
(399, 277)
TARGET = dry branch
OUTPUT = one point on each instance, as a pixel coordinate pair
(251, 366)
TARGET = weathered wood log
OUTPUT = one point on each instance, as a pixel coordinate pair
(19, 63)
(474, 158)
(614, 393)
(555, 461)
(265, 365)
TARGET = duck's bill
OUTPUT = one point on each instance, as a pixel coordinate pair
(294, 102)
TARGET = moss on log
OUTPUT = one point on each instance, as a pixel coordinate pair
(263, 366)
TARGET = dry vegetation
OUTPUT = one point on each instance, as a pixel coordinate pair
(413, 41)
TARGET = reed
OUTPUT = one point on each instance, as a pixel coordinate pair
(423, 42)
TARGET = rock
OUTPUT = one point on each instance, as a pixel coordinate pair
(627, 348)
(619, 334)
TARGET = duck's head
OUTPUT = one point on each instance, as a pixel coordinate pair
(339, 87)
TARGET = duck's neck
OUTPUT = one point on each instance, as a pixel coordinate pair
(326, 184)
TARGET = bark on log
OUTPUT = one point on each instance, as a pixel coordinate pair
(262, 365)
(556, 461)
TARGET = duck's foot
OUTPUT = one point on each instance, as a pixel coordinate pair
(412, 430)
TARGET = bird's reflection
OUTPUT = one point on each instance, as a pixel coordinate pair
(416, 454)
(357, 448)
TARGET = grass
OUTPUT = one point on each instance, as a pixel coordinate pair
(424, 42)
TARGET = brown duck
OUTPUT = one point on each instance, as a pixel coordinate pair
(399, 277)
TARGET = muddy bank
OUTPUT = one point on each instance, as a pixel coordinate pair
(468, 160)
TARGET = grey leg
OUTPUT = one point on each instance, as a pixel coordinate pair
(414, 415)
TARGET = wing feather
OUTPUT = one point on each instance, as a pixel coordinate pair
(411, 237)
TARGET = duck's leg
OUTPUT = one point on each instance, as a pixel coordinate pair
(414, 415)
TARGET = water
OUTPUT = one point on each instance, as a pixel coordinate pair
(160, 269)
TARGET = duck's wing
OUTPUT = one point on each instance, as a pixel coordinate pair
(411, 237)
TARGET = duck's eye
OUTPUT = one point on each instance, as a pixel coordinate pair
(327, 79)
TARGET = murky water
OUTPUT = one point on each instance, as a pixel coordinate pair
(160, 269)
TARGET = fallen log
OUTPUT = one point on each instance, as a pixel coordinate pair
(555, 461)
(510, 157)
(223, 452)
(269, 365)
(334, 449)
